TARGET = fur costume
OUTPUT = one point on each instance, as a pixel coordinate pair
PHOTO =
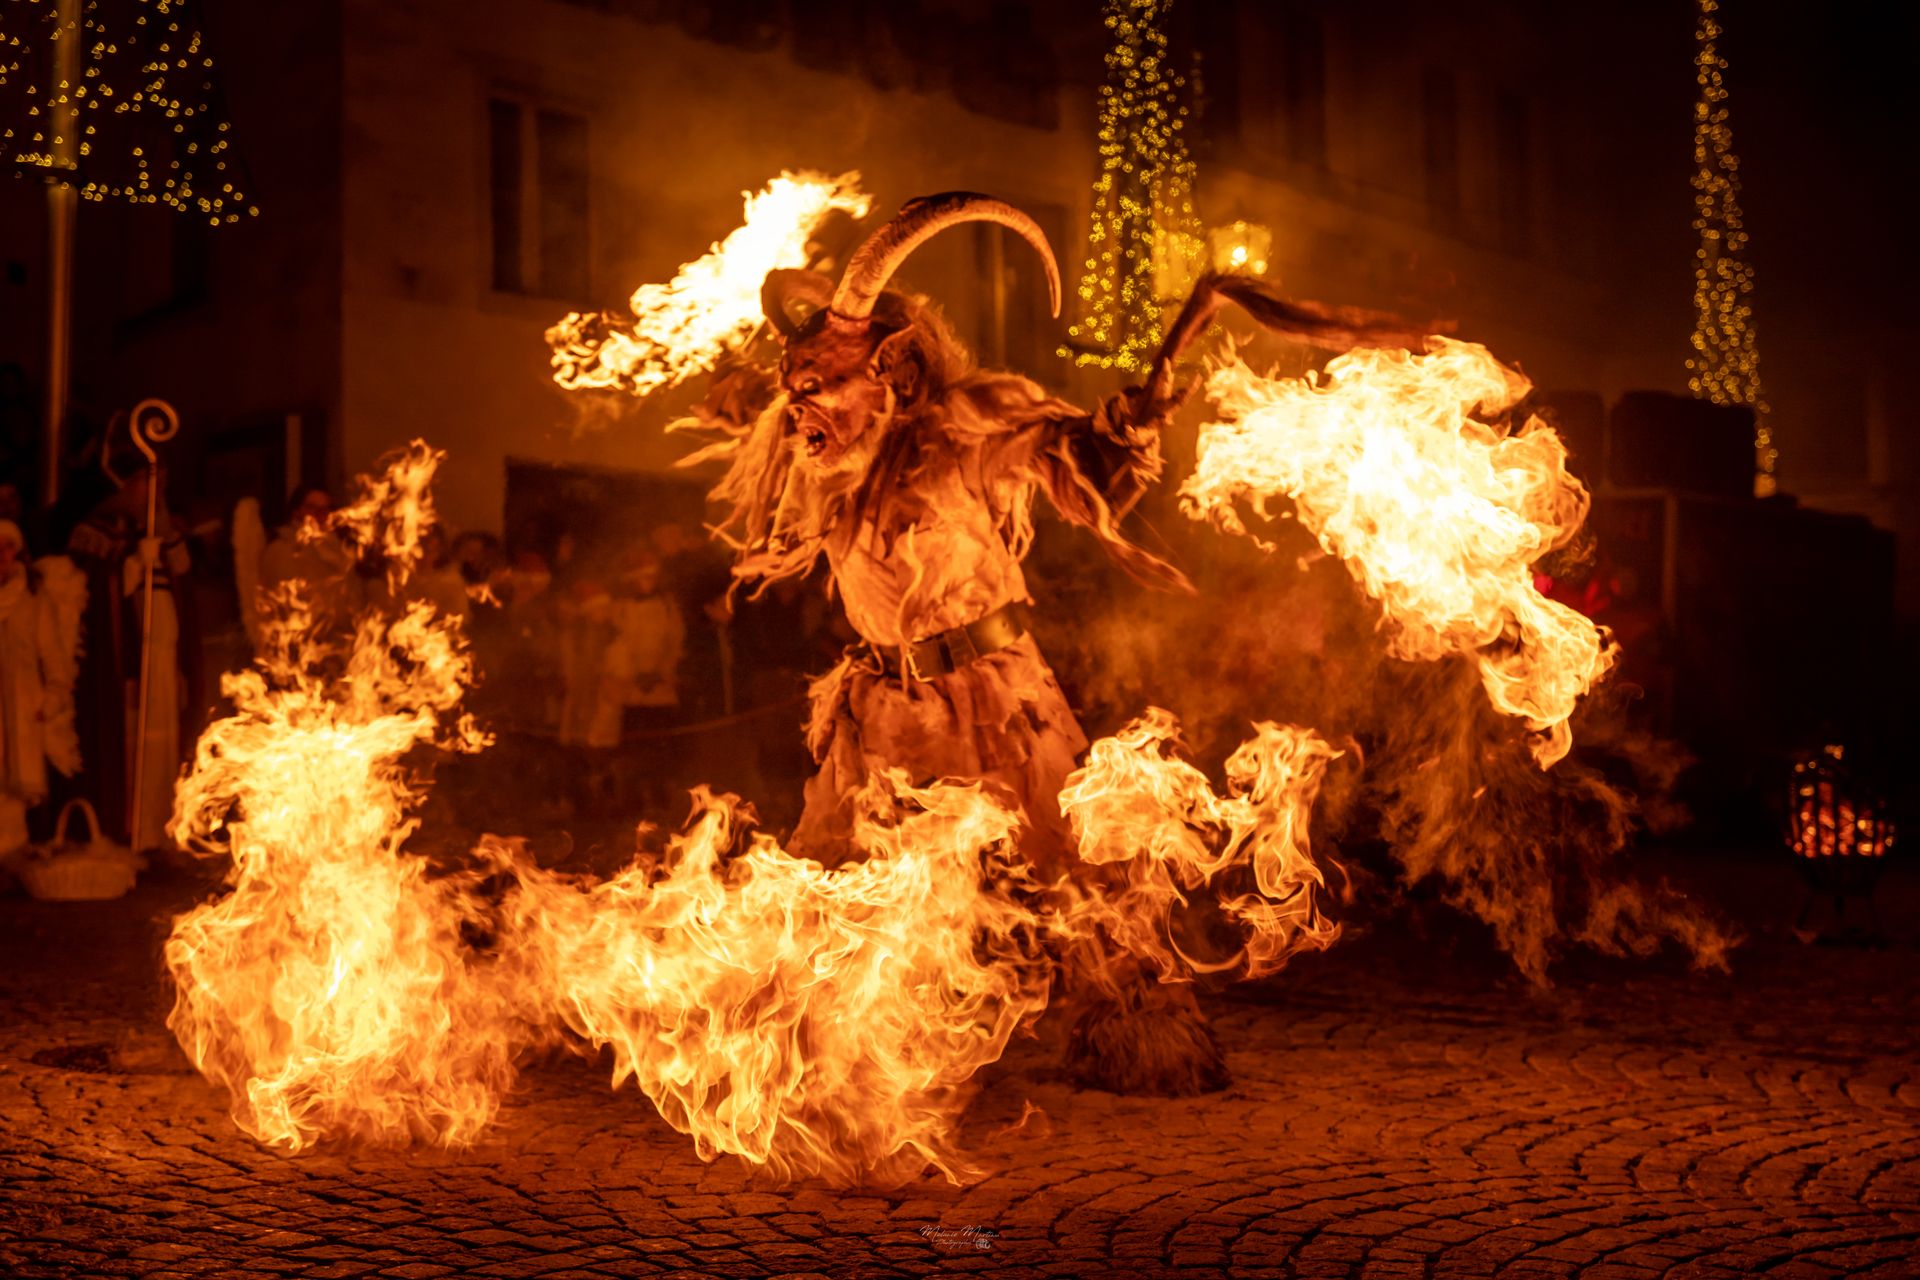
(883, 449)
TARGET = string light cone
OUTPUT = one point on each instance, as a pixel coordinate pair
(1143, 229)
(1725, 364)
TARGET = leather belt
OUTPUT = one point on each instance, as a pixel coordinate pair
(948, 651)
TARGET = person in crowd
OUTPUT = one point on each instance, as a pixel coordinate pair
(594, 677)
(647, 660)
(518, 692)
(698, 577)
(439, 580)
(478, 558)
(785, 635)
(520, 650)
(435, 579)
(40, 609)
(652, 635)
(563, 557)
(304, 551)
(481, 565)
(14, 510)
(112, 549)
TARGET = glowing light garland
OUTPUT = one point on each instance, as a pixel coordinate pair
(1725, 366)
(143, 106)
(1143, 199)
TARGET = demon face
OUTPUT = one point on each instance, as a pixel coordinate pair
(850, 364)
(839, 376)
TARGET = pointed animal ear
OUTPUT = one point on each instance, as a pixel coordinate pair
(897, 361)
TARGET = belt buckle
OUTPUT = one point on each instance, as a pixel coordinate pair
(910, 658)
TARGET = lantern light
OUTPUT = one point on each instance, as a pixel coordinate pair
(1241, 248)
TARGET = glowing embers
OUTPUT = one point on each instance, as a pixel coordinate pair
(682, 328)
(1833, 814)
(1438, 514)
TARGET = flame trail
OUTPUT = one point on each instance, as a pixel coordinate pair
(712, 306)
(818, 1022)
(1438, 515)
(1136, 804)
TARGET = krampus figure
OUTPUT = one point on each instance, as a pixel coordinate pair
(884, 449)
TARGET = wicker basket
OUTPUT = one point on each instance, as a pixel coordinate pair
(65, 871)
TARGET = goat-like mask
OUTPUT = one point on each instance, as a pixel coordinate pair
(845, 366)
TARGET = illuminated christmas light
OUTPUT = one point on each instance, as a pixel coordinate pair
(1725, 364)
(1144, 235)
(146, 88)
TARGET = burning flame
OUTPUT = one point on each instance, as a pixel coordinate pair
(712, 306)
(329, 991)
(1438, 514)
(817, 1021)
(821, 1022)
(1137, 805)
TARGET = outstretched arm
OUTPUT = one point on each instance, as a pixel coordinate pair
(1093, 467)
(1339, 328)
(1118, 445)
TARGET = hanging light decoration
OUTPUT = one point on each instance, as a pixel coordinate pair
(1725, 364)
(132, 114)
(1144, 242)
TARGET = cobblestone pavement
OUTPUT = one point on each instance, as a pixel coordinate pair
(1398, 1110)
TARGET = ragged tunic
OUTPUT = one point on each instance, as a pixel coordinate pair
(935, 544)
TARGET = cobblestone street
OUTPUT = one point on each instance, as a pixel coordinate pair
(1408, 1110)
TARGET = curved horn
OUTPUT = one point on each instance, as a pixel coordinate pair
(785, 285)
(918, 221)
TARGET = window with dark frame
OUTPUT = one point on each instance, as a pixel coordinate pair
(538, 194)
(561, 144)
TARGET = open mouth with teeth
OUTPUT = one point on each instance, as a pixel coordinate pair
(811, 427)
